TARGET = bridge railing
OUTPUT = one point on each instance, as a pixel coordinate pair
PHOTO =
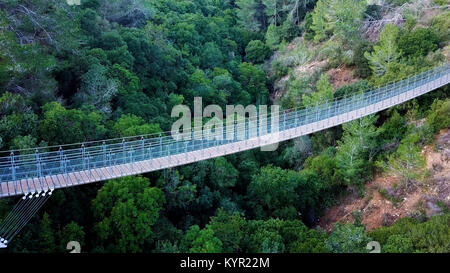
(65, 159)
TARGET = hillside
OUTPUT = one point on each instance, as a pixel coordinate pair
(344, 63)
(385, 201)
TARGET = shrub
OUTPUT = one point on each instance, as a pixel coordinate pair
(290, 30)
(256, 51)
(418, 43)
(439, 115)
(279, 69)
(408, 161)
(393, 129)
(394, 72)
(336, 54)
(347, 238)
(410, 235)
(292, 58)
(382, 234)
(353, 88)
(360, 61)
(398, 244)
(441, 26)
(340, 18)
(273, 36)
(309, 32)
(295, 89)
(440, 2)
(373, 12)
(386, 52)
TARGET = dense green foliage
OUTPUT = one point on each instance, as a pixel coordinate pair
(409, 235)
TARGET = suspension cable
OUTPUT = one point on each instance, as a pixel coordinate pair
(21, 214)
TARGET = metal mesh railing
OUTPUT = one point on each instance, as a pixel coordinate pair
(41, 162)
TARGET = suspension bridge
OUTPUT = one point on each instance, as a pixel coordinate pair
(36, 173)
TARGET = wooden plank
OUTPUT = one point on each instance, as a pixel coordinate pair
(37, 184)
(24, 186)
(76, 178)
(17, 188)
(48, 183)
(30, 185)
(60, 179)
(54, 181)
(139, 166)
(84, 178)
(4, 187)
(123, 170)
(145, 165)
(112, 172)
(97, 174)
(109, 172)
(11, 190)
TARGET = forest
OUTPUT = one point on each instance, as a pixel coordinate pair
(116, 68)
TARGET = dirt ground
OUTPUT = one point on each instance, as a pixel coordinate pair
(341, 76)
(377, 209)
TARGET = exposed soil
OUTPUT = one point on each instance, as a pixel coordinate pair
(385, 200)
(341, 76)
(310, 68)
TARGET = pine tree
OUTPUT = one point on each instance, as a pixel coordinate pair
(273, 37)
(386, 52)
(356, 150)
(47, 235)
(324, 93)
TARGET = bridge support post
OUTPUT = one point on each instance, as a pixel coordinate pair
(38, 168)
(317, 111)
(328, 114)
(13, 167)
(89, 165)
(352, 106)
(83, 155)
(104, 163)
(192, 140)
(335, 108)
(132, 160)
(257, 123)
(160, 145)
(124, 155)
(143, 147)
(61, 159)
(65, 164)
(110, 158)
